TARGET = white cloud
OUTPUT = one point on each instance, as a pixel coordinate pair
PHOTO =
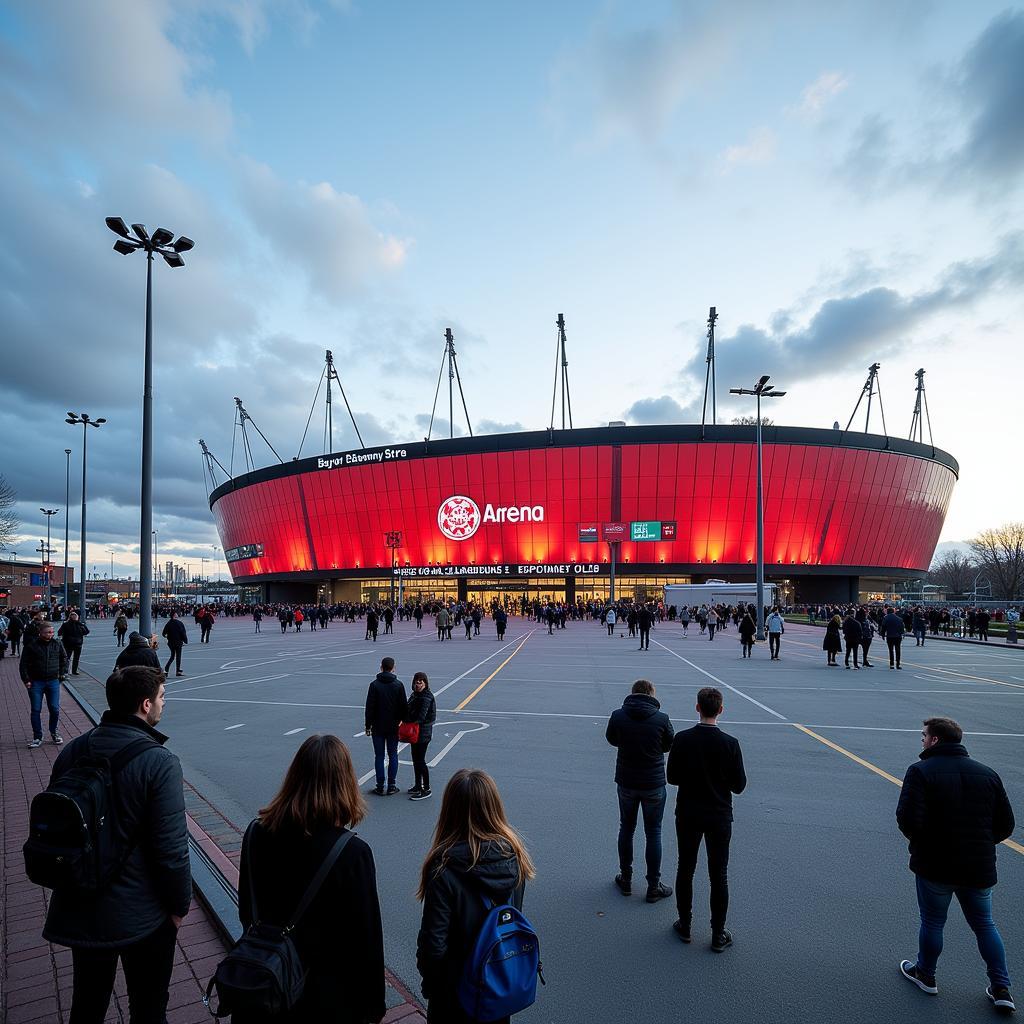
(759, 148)
(825, 88)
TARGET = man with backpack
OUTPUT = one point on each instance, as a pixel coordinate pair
(132, 884)
(43, 665)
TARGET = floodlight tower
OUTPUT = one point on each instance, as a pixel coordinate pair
(161, 242)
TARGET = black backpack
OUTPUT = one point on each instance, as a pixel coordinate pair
(263, 974)
(72, 835)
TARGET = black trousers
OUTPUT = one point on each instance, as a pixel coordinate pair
(716, 836)
(74, 652)
(147, 973)
(175, 657)
(645, 637)
(120, 637)
(865, 646)
(852, 647)
(420, 770)
(894, 643)
(774, 642)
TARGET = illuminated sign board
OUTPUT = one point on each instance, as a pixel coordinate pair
(648, 529)
(243, 551)
(614, 532)
(588, 533)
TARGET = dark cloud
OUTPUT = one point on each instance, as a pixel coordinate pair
(494, 427)
(657, 410)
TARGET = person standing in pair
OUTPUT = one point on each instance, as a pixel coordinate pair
(954, 810)
(422, 711)
(892, 629)
(707, 766)
(642, 733)
(476, 859)
(852, 636)
(386, 708)
(832, 644)
(176, 635)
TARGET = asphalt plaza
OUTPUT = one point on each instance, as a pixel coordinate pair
(822, 903)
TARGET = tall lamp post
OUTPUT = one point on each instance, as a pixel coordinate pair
(74, 419)
(67, 519)
(762, 389)
(394, 542)
(202, 580)
(49, 513)
(161, 242)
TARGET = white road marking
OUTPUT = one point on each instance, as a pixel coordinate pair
(230, 727)
(458, 679)
(228, 682)
(292, 732)
(740, 693)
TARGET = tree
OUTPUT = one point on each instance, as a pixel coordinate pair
(751, 421)
(954, 572)
(8, 520)
(999, 553)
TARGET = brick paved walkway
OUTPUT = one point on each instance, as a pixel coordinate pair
(36, 976)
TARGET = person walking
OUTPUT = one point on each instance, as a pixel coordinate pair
(712, 623)
(918, 626)
(442, 623)
(257, 617)
(206, 625)
(476, 860)
(684, 619)
(43, 667)
(776, 626)
(340, 938)
(747, 630)
(468, 623)
(135, 918)
(642, 734)
(610, 621)
(282, 617)
(120, 628)
(832, 643)
(500, 622)
(891, 627)
(417, 614)
(176, 635)
(422, 711)
(72, 634)
(644, 621)
(706, 764)
(852, 636)
(386, 707)
(954, 810)
(298, 618)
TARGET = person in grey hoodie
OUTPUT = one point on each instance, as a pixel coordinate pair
(643, 735)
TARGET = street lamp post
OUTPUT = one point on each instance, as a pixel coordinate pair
(160, 242)
(67, 519)
(49, 513)
(762, 389)
(74, 419)
(394, 542)
(202, 580)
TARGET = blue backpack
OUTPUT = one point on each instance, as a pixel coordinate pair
(500, 976)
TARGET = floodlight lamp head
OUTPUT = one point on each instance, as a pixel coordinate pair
(183, 244)
(162, 236)
(67, 451)
(118, 226)
(100, 420)
(735, 391)
(140, 232)
(173, 260)
(125, 248)
(764, 380)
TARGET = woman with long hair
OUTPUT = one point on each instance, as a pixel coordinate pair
(476, 859)
(339, 939)
(421, 711)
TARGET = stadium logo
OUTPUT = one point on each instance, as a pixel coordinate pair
(460, 517)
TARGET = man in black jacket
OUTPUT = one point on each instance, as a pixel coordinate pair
(954, 810)
(138, 651)
(891, 627)
(386, 708)
(644, 620)
(707, 766)
(136, 917)
(72, 635)
(642, 732)
(176, 636)
(43, 665)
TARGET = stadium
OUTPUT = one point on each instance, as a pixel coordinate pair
(560, 514)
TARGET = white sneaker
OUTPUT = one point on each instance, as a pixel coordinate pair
(34, 744)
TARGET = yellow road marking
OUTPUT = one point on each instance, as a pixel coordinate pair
(878, 771)
(496, 671)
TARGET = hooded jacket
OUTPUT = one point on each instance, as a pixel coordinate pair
(454, 908)
(953, 810)
(155, 881)
(138, 652)
(643, 734)
(422, 709)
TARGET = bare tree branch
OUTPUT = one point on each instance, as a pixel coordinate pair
(999, 552)
(8, 520)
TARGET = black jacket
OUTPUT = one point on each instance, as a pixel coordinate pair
(832, 641)
(138, 652)
(852, 633)
(340, 939)
(175, 633)
(422, 708)
(953, 810)
(73, 633)
(386, 704)
(155, 882)
(891, 626)
(643, 733)
(42, 662)
(453, 911)
(707, 766)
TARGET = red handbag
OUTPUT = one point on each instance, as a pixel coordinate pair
(409, 732)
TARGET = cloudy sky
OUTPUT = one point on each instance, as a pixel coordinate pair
(842, 181)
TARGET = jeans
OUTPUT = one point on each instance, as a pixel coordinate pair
(894, 643)
(774, 643)
(50, 689)
(419, 764)
(645, 637)
(379, 744)
(933, 899)
(652, 802)
(711, 630)
(865, 646)
(74, 653)
(716, 836)
(147, 973)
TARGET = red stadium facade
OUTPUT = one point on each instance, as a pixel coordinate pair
(845, 513)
